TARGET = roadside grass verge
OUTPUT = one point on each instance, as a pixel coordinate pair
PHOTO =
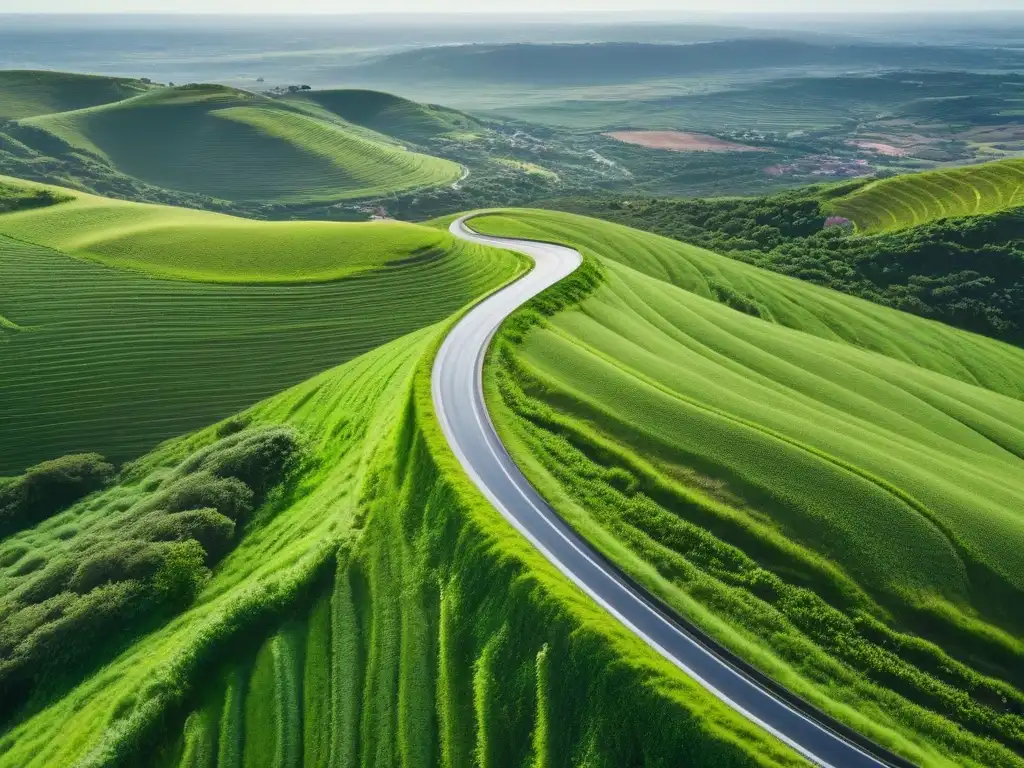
(824, 485)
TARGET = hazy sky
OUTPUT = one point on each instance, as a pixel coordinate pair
(495, 6)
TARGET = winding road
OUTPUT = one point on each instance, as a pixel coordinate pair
(457, 389)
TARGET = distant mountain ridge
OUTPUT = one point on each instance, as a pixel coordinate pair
(591, 63)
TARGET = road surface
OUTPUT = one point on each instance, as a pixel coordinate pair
(457, 389)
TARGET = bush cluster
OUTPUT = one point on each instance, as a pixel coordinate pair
(74, 610)
(47, 488)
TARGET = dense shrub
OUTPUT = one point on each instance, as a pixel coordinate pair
(47, 488)
(260, 458)
(151, 562)
(209, 527)
(201, 490)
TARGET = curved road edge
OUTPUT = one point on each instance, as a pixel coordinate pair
(457, 392)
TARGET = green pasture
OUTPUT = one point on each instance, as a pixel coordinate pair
(832, 488)
(915, 199)
(235, 145)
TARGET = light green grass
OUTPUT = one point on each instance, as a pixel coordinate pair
(235, 145)
(118, 360)
(27, 93)
(198, 245)
(782, 473)
(915, 199)
(380, 521)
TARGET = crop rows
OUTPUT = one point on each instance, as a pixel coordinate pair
(915, 199)
(115, 362)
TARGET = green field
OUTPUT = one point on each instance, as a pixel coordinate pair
(832, 488)
(915, 199)
(115, 360)
(25, 93)
(234, 145)
(378, 611)
(197, 245)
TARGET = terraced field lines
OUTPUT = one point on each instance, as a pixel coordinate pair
(127, 361)
(915, 199)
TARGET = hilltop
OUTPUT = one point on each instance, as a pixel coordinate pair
(388, 114)
(911, 200)
(27, 93)
(221, 143)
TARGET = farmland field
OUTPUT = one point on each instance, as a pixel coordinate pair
(912, 200)
(114, 360)
(751, 449)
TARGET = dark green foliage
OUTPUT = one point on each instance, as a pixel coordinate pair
(967, 272)
(258, 458)
(18, 198)
(230, 497)
(181, 574)
(47, 488)
(120, 561)
(82, 604)
(209, 527)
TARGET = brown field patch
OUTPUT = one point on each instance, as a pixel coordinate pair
(679, 141)
(880, 147)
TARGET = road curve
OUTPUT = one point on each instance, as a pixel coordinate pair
(457, 390)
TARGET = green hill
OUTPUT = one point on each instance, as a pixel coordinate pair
(915, 199)
(234, 145)
(388, 114)
(129, 359)
(372, 608)
(830, 487)
(26, 93)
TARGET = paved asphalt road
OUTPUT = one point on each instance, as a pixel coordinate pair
(458, 399)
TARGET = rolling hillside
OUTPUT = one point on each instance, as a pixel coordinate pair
(102, 353)
(25, 93)
(915, 199)
(831, 488)
(388, 114)
(373, 610)
(234, 145)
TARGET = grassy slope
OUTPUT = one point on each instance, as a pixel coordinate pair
(915, 199)
(26, 93)
(235, 145)
(198, 245)
(381, 614)
(128, 359)
(388, 114)
(780, 479)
